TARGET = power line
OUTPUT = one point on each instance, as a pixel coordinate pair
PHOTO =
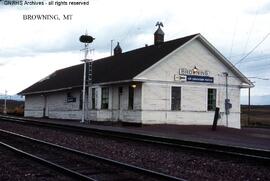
(253, 77)
(232, 43)
(240, 55)
(257, 58)
(253, 49)
(259, 78)
(251, 29)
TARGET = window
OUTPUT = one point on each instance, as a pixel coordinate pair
(176, 98)
(93, 98)
(130, 97)
(70, 97)
(105, 98)
(212, 94)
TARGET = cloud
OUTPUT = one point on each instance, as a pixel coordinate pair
(31, 45)
(262, 10)
(28, 70)
(35, 37)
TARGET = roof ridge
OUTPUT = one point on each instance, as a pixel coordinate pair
(119, 67)
(132, 51)
(153, 45)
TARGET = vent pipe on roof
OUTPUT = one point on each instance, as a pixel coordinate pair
(117, 50)
(159, 34)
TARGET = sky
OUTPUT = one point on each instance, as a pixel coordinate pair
(31, 50)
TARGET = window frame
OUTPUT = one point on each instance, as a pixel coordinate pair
(211, 106)
(70, 98)
(174, 100)
(105, 99)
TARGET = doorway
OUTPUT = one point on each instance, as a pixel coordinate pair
(46, 108)
(120, 106)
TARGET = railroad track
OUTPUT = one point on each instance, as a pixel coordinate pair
(243, 152)
(74, 163)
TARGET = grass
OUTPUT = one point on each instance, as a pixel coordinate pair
(259, 115)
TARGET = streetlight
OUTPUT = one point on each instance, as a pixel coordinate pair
(194, 70)
(86, 39)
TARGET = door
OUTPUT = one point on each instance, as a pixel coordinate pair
(46, 107)
(120, 106)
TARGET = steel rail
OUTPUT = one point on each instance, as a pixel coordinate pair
(66, 171)
(244, 152)
(125, 166)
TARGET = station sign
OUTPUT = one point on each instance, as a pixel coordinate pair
(188, 75)
(196, 78)
(181, 78)
(185, 71)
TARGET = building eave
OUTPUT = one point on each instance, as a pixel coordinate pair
(247, 85)
(115, 82)
(50, 91)
(80, 86)
(225, 61)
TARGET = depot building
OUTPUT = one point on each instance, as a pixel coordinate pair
(180, 81)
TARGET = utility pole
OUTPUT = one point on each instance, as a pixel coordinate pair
(249, 106)
(5, 104)
(226, 100)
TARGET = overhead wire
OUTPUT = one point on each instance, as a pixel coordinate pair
(251, 51)
(251, 30)
(258, 58)
(249, 77)
(240, 55)
(234, 32)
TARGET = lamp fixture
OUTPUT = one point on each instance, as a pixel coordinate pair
(133, 86)
(195, 70)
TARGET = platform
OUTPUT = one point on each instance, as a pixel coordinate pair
(246, 137)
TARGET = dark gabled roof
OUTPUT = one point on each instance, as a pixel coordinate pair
(119, 67)
(64, 78)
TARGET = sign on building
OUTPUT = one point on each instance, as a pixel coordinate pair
(188, 75)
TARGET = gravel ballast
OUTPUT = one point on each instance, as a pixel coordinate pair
(14, 167)
(191, 165)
